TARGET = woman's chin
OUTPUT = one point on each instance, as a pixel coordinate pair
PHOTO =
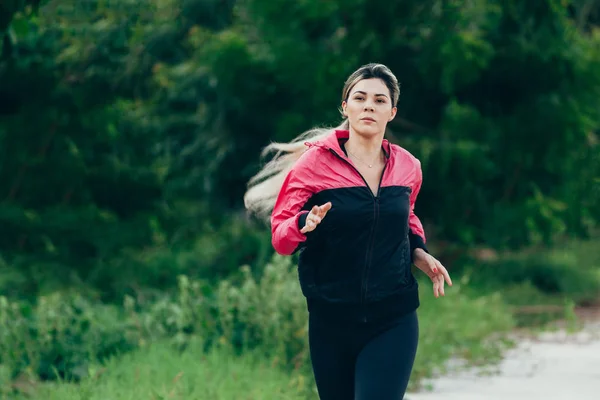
(369, 132)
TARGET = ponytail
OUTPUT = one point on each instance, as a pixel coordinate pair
(264, 187)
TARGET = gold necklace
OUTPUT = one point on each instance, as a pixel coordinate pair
(359, 159)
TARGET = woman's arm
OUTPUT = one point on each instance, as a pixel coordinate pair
(416, 233)
(288, 218)
(418, 251)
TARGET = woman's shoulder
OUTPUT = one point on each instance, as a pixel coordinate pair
(403, 155)
(308, 160)
(407, 167)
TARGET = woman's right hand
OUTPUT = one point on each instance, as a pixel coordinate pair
(315, 216)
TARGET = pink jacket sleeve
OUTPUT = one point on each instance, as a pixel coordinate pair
(285, 232)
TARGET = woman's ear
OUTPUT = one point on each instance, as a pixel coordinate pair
(344, 104)
(394, 111)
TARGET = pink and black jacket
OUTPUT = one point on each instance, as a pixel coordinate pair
(357, 263)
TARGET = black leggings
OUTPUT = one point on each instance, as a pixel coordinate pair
(363, 361)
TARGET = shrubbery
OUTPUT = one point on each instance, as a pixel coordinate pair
(569, 272)
(65, 336)
(59, 337)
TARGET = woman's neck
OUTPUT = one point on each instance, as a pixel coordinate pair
(365, 148)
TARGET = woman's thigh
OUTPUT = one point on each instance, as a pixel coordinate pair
(385, 363)
(333, 359)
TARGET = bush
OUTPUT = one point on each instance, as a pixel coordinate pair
(267, 312)
(260, 313)
(568, 273)
(59, 336)
(177, 317)
(213, 255)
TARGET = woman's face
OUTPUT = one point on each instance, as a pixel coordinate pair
(369, 107)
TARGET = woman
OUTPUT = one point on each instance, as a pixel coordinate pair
(344, 199)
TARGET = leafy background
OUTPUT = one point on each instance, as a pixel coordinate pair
(129, 129)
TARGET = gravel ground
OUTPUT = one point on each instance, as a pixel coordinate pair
(552, 365)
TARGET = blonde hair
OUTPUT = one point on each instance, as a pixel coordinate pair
(264, 187)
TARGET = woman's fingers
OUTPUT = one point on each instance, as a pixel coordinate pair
(433, 270)
(315, 219)
(444, 273)
(323, 209)
(315, 216)
(307, 227)
(438, 286)
(439, 279)
(311, 223)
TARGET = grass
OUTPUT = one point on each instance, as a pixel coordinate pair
(471, 325)
(159, 373)
(454, 326)
(470, 328)
(541, 285)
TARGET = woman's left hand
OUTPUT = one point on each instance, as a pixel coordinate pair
(434, 270)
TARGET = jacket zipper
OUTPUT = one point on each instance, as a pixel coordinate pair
(365, 279)
(369, 255)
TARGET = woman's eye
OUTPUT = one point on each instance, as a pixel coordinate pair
(361, 98)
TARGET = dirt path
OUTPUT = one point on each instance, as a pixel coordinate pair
(551, 366)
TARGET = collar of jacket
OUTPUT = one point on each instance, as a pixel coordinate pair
(332, 142)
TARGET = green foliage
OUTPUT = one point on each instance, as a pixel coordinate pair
(59, 337)
(462, 325)
(136, 131)
(65, 336)
(128, 130)
(499, 92)
(14, 22)
(211, 257)
(570, 272)
(267, 313)
(160, 372)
